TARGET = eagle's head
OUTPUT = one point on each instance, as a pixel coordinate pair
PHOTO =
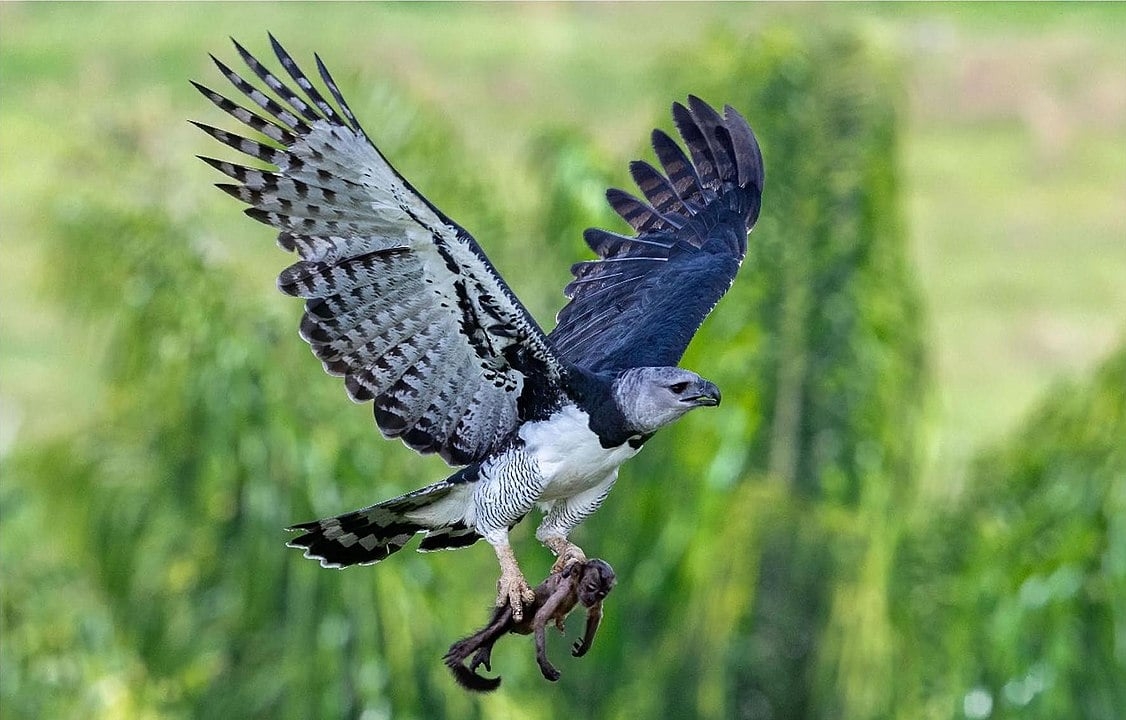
(652, 397)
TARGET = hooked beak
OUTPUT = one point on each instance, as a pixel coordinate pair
(708, 395)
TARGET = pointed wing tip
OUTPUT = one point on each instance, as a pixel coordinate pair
(697, 105)
(749, 159)
(748, 155)
(730, 114)
(278, 48)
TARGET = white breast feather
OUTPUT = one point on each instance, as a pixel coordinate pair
(568, 454)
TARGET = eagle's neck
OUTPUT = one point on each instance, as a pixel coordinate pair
(595, 394)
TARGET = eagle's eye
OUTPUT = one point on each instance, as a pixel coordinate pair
(679, 387)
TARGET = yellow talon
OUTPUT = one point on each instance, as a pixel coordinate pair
(567, 553)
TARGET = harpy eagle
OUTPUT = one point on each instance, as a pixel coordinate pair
(403, 304)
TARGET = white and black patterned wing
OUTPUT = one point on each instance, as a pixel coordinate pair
(641, 302)
(400, 301)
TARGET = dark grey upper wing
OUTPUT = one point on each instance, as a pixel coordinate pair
(643, 300)
(400, 300)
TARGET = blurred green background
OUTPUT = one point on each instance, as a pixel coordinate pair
(912, 503)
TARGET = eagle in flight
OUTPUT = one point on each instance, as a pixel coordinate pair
(403, 304)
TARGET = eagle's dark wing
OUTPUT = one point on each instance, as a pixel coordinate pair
(400, 300)
(642, 301)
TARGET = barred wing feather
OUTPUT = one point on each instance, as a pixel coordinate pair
(641, 302)
(400, 301)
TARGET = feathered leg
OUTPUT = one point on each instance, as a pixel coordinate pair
(506, 491)
(565, 515)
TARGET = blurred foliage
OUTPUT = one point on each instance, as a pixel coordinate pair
(769, 564)
(1017, 595)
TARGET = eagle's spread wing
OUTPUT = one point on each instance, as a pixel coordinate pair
(400, 300)
(642, 301)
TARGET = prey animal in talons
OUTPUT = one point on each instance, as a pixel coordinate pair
(585, 583)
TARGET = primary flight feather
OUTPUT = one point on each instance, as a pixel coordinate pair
(403, 304)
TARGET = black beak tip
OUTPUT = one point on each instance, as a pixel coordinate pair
(710, 395)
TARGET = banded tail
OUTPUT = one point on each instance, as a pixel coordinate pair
(366, 536)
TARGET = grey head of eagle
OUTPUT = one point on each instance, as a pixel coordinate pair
(651, 397)
(404, 305)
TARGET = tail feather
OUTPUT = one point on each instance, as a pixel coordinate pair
(449, 538)
(366, 536)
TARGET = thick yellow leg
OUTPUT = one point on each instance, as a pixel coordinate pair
(566, 552)
(512, 588)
